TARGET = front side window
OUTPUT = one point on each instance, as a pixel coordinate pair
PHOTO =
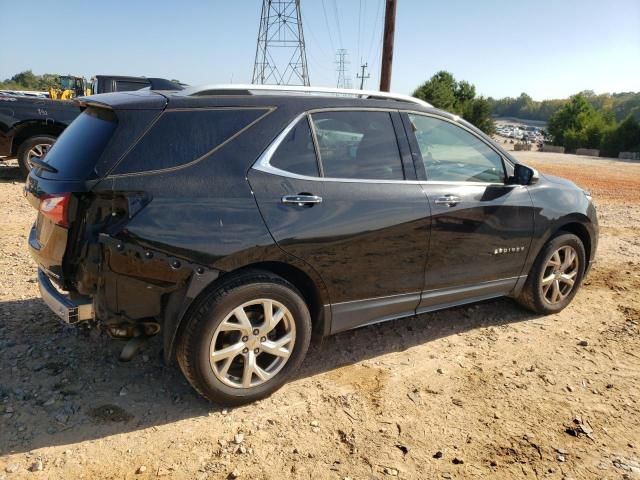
(358, 145)
(296, 153)
(451, 154)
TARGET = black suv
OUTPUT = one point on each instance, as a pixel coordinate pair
(237, 220)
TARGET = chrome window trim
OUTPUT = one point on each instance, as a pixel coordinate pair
(263, 163)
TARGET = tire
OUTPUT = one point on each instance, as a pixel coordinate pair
(203, 337)
(538, 294)
(27, 146)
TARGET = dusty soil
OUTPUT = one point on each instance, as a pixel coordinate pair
(489, 390)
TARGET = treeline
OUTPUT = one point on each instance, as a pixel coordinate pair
(578, 124)
(27, 80)
(606, 122)
(620, 104)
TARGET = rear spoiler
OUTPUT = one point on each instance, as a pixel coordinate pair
(144, 99)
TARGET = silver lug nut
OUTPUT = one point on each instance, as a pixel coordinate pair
(256, 351)
(245, 350)
(244, 339)
(263, 339)
(256, 331)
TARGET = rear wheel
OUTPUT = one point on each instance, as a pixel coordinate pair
(244, 339)
(32, 147)
(555, 276)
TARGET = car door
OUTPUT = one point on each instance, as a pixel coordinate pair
(333, 192)
(481, 225)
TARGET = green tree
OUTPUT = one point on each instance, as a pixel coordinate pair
(443, 91)
(478, 113)
(440, 91)
(578, 125)
(623, 138)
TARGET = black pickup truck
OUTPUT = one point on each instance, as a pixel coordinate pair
(30, 125)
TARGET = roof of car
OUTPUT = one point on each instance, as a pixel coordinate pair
(252, 96)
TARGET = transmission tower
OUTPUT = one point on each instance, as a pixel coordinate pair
(280, 54)
(342, 63)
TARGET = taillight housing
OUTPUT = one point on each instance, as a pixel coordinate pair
(56, 208)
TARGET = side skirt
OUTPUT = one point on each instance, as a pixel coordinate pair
(359, 313)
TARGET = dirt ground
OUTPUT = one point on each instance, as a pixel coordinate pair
(484, 391)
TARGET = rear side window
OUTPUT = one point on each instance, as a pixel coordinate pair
(296, 153)
(358, 145)
(180, 137)
(77, 150)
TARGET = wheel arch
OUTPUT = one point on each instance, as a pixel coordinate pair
(312, 290)
(26, 130)
(580, 226)
(579, 230)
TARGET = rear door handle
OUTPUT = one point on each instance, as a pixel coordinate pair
(448, 200)
(301, 200)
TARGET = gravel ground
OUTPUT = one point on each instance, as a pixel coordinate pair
(489, 390)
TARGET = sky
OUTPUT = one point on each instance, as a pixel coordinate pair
(546, 48)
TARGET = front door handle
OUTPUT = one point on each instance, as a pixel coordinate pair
(301, 200)
(448, 200)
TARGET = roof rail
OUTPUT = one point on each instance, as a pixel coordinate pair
(249, 89)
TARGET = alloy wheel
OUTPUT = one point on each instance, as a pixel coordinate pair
(559, 274)
(39, 151)
(253, 343)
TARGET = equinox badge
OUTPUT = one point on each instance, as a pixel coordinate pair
(500, 251)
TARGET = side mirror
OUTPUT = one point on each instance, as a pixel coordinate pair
(523, 175)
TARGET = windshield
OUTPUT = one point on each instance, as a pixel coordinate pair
(67, 83)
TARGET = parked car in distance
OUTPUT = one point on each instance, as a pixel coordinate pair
(30, 124)
(235, 220)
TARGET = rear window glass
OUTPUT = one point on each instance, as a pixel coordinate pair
(296, 153)
(77, 150)
(180, 137)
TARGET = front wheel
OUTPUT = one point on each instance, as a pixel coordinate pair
(555, 276)
(245, 339)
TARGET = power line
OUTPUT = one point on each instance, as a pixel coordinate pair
(375, 28)
(335, 12)
(326, 20)
(359, 23)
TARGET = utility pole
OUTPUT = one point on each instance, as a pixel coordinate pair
(281, 58)
(363, 77)
(387, 45)
(343, 81)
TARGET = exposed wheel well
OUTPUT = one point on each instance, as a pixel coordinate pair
(26, 131)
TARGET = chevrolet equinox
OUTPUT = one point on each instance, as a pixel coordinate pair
(237, 220)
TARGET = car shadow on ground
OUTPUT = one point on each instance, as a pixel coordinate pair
(63, 384)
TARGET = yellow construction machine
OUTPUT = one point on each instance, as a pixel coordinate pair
(70, 87)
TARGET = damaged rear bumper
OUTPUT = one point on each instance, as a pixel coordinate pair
(70, 310)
